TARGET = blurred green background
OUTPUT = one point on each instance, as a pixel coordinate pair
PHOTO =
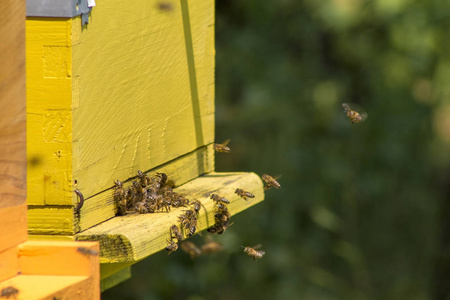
(363, 211)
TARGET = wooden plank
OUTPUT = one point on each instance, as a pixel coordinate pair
(58, 220)
(133, 106)
(49, 115)
(13, 225)
(12, 104)
(115, 279)
(59, 258)
(34, 287)
(101, 207)
(133, 237)
(9, 263)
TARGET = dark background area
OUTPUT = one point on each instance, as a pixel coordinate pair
(363, 211)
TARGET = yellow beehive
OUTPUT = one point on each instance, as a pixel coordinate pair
(132, 89)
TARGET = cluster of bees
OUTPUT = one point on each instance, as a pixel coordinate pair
(155, 194)
(147, 195)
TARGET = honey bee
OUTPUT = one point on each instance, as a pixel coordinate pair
(175, 233)
(191, 249)
(244, 194)
(354, 112)
(9, 291)
(222, 147)
(254, 253)
(270, 182)
(211, 247)
(218, 199)
(119, 197)
(143, 178)
(197, 206)
(192, 227)
(171, 246)
(162, 178)
(142, 207)
(87, 251)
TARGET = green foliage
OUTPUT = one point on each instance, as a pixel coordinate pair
(361, 211)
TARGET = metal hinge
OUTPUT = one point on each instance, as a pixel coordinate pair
(60, 8)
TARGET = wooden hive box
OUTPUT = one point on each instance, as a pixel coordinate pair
(113, 89)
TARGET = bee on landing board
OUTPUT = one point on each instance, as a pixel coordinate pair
(254, 253)
(9, 291)
(354, 112)
(119, 197)
(175, 233)
(217, 199)
(244, 194)
(222, 148)
(171, 246)
(270, 182)
(191, 249)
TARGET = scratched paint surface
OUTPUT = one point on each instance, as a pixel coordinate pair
(144, 88)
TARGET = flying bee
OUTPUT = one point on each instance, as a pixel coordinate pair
(9, 291)
(175, 233)
(354, 112)
(218, 199)
(211, 247)
(191, 249)
(171, 246)
(244, 194)
(254, 253)
(222, 147)
(270, 182)
(86, 251)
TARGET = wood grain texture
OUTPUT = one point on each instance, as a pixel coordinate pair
(13, 225)
(136, 102)
(133, 237)
(12, 104)
(56, 220)
(49, 115)
(101, 207)
(9, 263)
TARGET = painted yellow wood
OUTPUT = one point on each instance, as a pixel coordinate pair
(143, 88)
(50, 237)
(101, 207)
(132, 90)
(115, 279)
(49, 117)
(133, 237)
(51, 220)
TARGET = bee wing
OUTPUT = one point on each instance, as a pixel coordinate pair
(363, 116)
(346, 106)
(257, 246)
(226, 142)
